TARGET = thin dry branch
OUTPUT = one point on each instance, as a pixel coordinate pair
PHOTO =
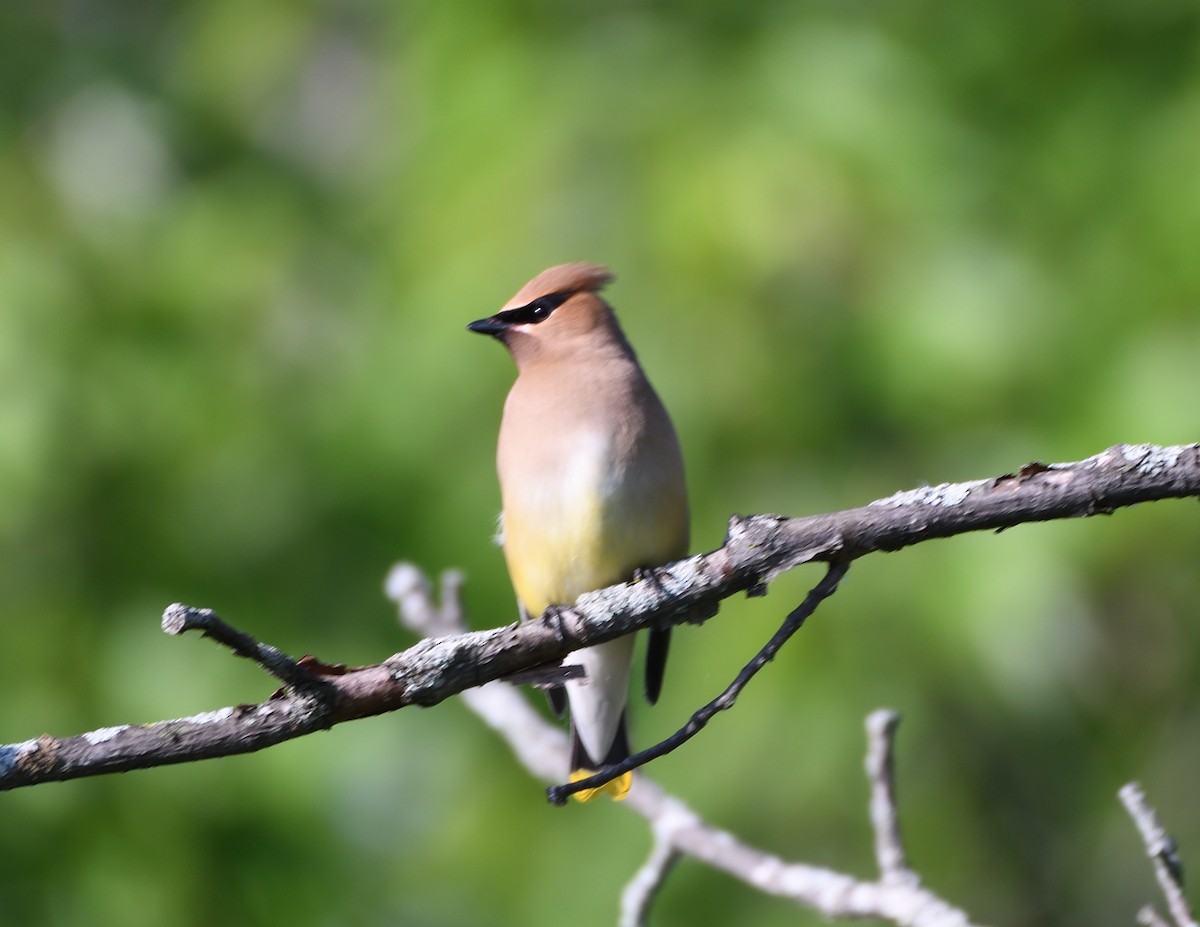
(1161, 848)
(756, 551)
(558, 794)
(677, 830)
(889, 848)
(642, 889)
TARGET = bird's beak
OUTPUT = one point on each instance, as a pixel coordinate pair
(492, 326)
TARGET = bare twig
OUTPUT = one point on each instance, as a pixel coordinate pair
(756, 551)
(678, 831)
(558, 794)
(885, 820)
(641, 890)
(1148, 917)
(178, 619)
(1161, 848)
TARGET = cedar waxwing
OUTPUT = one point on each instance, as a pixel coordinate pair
(591, 479)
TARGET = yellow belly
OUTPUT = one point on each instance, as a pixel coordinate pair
(580, 542)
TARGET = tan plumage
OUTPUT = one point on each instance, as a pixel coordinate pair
(592, 483)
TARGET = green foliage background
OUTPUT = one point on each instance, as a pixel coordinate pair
(860, 246)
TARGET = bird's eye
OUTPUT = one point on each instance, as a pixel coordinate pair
(540, 309)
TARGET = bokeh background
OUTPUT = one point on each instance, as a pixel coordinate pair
(860, 246)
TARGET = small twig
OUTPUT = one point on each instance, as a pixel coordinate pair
(1148, 917)
(885, 820)
(179, 619)
(641, 890)
(1161, 848)
(558, 794)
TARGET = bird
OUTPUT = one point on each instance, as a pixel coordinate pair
(592, 489)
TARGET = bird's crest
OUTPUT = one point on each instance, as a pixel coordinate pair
(563, 278)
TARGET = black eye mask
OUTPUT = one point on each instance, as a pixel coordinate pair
(530, 314)
(537, 311)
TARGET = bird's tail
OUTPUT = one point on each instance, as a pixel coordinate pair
(582, 765)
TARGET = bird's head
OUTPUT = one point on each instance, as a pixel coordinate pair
(556, 314)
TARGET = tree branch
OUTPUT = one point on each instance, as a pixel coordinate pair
(757, 550)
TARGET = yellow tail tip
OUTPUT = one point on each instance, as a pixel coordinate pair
(617, 789)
